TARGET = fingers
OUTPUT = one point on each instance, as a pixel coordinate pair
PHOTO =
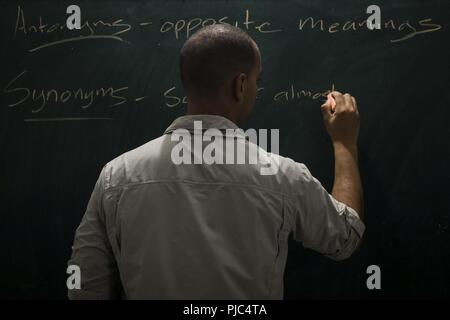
(348, 102)
(340, 101)
(327, 110)
(331, 101)
(344, 102)
(354, 104)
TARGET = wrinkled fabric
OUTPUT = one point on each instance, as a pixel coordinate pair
(156, 230)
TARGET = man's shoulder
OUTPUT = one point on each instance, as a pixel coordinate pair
(124, 168)
(150, 161)
(275, 172)
(289, 176)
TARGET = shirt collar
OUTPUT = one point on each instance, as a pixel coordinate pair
(208, 121)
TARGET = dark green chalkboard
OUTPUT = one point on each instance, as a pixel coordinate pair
(118, 86)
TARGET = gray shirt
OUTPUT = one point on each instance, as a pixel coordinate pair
(157, 230)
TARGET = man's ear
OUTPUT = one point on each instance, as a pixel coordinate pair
(239, 86)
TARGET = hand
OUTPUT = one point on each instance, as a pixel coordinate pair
(341, 118)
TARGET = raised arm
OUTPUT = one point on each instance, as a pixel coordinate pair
(341, 120)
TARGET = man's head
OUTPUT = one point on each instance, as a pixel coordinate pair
(220, 65)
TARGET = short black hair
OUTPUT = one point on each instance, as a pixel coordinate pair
(212, 55)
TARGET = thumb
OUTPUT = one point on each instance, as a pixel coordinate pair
(326, 110)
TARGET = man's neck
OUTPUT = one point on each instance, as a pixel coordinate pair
(191, 110)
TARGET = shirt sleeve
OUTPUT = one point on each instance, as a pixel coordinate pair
(321, 222)
(92, 252)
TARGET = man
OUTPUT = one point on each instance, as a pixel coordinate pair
(154, 229)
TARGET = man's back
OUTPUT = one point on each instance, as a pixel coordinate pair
(196, 231)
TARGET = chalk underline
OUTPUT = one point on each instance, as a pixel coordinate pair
(64, 119)
(77, 39)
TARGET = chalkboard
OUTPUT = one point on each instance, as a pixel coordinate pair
(72, 100)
